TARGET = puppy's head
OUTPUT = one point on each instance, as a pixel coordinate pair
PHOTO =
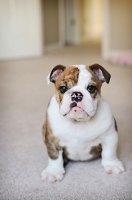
(78, 89)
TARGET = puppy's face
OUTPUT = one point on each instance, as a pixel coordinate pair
(78, 89)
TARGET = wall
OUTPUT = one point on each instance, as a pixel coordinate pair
(120, 24)
(20, 29)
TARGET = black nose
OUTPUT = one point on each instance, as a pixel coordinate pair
(77, 96)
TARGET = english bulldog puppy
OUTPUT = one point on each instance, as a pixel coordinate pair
(79, 124)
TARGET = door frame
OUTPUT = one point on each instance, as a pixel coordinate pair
(106, 32)
(61, 41)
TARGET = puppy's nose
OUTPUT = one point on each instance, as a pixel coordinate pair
(77, 96)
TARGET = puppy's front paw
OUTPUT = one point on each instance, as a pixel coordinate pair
(52, 174)
(115, 166)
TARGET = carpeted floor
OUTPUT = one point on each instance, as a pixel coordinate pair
(24, 96)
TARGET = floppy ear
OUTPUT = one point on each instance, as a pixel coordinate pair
(101, 73)
(55, 73)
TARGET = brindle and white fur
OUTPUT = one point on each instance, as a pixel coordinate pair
(79, 125)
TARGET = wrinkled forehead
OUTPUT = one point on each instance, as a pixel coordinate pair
(79, 75)
(84, 77)
(70, 74)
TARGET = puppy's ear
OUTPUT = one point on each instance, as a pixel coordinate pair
(101, 73)
(55, 73)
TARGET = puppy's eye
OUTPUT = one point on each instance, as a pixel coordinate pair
(62, 89)
(91, 88)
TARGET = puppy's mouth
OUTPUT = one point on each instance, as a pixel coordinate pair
(77, 113)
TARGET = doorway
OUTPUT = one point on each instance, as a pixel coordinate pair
(71, 22)
(83, 21)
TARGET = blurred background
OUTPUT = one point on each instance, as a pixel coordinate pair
(29, 28)
(35, 36)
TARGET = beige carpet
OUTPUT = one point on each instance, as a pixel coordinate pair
(24, 96)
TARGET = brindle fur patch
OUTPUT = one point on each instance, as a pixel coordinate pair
(68, 78)
(95, 82)
(97, 91)
(95, 79)
(96, 151)
(52, 143)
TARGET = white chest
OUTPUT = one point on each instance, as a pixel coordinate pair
(78, 140)
(80, 137)
(79, 149)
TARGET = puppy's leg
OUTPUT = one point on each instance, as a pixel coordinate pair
(55, 170)
(110, 162)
